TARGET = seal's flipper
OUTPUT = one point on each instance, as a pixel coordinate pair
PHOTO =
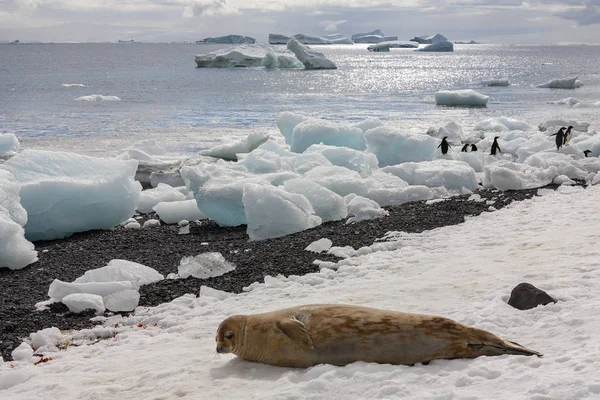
(296, 331)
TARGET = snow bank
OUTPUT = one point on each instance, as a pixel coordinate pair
(315, 131)
(450, 174)
(228, 151)
(65, 193)
(501, 124)
(173, 212)
(273, 212)
(9, 144)
(395, 146)
(98, 98)
(561, 83)
(467, 97)
(310, 58)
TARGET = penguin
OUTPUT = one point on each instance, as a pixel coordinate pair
(559, 137)
(444, 145)
(495, 146)
(567, 136)
(464, 148)
(473, 147)
(586, 152)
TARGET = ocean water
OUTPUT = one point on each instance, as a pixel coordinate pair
(165, 97)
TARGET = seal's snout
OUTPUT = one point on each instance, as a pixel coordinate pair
(222, 349)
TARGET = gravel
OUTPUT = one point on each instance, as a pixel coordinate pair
(162, 248)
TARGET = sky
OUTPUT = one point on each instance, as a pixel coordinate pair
(489, 21)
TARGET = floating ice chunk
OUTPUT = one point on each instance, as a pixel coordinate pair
(173, 212)
(22, 353)
(561, 83)
(228, 151)
(206, 291)
(65, 193)
(429, 39)
(59, 289)
(319, 246)
(501, 124)
(359, 161)
(46, 337)
(287, 121)
(569, 101)
(204, 266)
(316, 131)
(340, 180)
(326, 204)
(451, 130)
(495, 82)
(124, 300)
(453, 175)
(98, 97)
(160, 194)
(587, 104)
(439, 47)
(394, 146)
(73, 85)
(507, 175)
(78, 302)
(361, 209)
(466, 97)
(9, 144)
(273, 212)
(310, 58)
(171, 178)
(565, 164)
(558, 123)
(239, 56)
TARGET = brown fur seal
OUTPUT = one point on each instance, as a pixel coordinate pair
(339, 334)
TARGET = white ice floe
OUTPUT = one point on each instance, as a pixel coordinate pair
(173, 212)
(452, 175)
(229, 151)
(204, 266)
(98, 98)
(273, 212)
(9, 144)
(443, 46)
(315, 131)
(326, 204)
(359, 161)
(465, 98)
(495, 82)
(394, 146)
(78, 302)
(160, 194)
(507, 175)
(561, 83)
(310, 58)
(65, 193)
(501, 124)
(361, 209)
(319, 246)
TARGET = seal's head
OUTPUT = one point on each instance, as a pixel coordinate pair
(229, 335)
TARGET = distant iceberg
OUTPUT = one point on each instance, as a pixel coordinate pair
(429, 39)
(311, 39)
(469, 42)
(562, 83)
(337, 38)
(369, 37)
(98, 97)
(310, 58)
(495, 82)
(275, 38)
(73, 85)
(393, 44)
(247, 56)
(444, 46)
(467, 97)
(230, 39)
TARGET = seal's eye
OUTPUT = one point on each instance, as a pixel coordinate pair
(229, 335)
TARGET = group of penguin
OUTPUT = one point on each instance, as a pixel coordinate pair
(563, 136)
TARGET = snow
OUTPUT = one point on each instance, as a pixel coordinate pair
(561, 83)
(78, 302)
(173, 212)
(443, 46)
(310, 58)
(450, 174)
(363, 163)
(204, 266)
(315, 131)
(9, 144)
(160, 194)
(501, 124)
(495, 82)
(22, 353)
(421, 272)
(465, 97)
(248, 55)
(394, 145)
(319, 246)
(326, 204)
(65, 192)
(361, 209)
(229, 151)
(98, 98)
(273, 212)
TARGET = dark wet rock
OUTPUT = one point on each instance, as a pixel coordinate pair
(525, 296)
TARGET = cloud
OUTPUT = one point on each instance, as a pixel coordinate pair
(210, 8)
(331, 26)
(588, 15)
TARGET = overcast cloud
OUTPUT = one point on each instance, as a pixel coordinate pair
(490, 21)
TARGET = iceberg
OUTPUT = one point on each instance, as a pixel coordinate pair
(150, 158)
(59, 289)
(495, 82)
(461, 98)
(395, 146)
(229, 151)
(450, 174)
(439, 47)
(310, 58)
(328, 205)
(561, 83)
(16, 252)
(310, 39)
(272, 212)
(369, 37)
(124, 300)
(315, 131)
(393, 44)
(170, 177)
(379, 48)
(397, 196)
(429, 39)
(9, 144)
(65, 193)
(340, 180)
(230, 39)
(249, 55)
(275, 38)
